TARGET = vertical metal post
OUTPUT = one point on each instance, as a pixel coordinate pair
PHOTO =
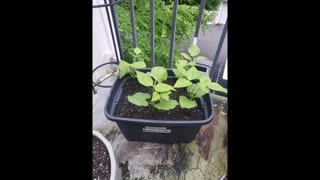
(115, 24)
(216, 56)
(152, 31)
(111, 30)
(173, 31)
(133, 24)
(196, 34)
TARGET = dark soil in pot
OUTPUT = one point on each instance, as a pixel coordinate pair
(129, 110)
(100, 160)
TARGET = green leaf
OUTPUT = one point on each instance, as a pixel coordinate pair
(186, 103)
(144, 79)
(139, 99)
(138, 65)
(191, 63)
(183, 63)
(137, 51)
(155, 96)
(177, 73)
(216, 87)
(182, 82)
(181, 69)
(186, 56)
(192, 73)
(200, 58)
(194, 50)
(166, 105)
(159, 73)
(195, 90)
(124, 68)
(204, 87)
(165, 95)
(162, 87)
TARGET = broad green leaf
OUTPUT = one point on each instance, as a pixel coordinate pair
(162, 87)
(159, 73)
(137, 51)
(204, 87)
(191, 63)
(138, 65)
(181, 69)
(166, 105)
(204, 79)
(183, 63)
(192, 73)
(182, 82)
(186, 103)
(139, 99)
(155, 96)
(165, 95)
(216, 87)
(194, 50)
(177, 73)
(195, 90)
(200, 58)
(124, 68)
(144, 79)
(186, 56)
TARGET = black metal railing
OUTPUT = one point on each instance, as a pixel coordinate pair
(152, 31)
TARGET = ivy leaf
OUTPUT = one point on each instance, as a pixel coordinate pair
(165, 95)
(192, 73)
(194, 50)
(139, 99)
(166, 105)
(200, 58)
(186, 103)
(144, 79)
(216, 87)
(155, 96)
(159, 73)
(137, 51)
(182, 82)
(138, 65)
(162, 87)
(124, 68)
(186, 56)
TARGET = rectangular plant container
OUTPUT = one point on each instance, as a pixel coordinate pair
(161, 131)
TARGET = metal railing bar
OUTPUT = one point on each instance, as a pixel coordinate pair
(196, 34)
(221, 41)
(173, 31)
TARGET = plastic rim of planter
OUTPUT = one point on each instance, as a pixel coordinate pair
(113, 165)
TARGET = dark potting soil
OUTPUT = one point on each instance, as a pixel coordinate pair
(129, 110)
(100, 160)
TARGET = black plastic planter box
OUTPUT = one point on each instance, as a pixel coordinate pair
(161, 131)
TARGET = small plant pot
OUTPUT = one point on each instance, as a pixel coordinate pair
(114, 170)
(154, 130)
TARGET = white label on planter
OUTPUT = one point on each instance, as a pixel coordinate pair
(156, 129)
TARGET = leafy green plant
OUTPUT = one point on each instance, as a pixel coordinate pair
(161, 91)
(127, 68)
(186, 22)
(196, 82)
